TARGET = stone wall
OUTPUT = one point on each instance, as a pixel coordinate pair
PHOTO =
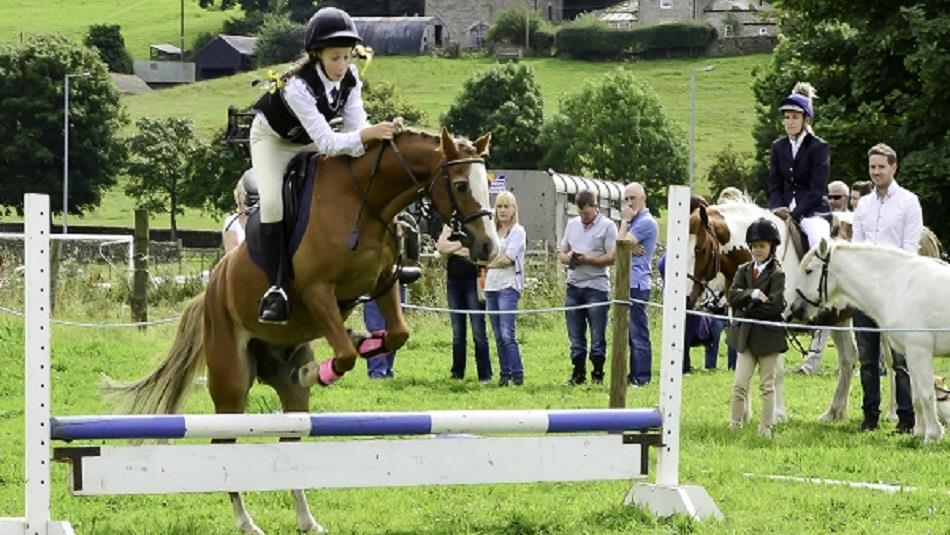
(460, 15)
(741, 46)
(654, 11)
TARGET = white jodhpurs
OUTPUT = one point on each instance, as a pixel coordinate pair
(270, 155)
(815, 227)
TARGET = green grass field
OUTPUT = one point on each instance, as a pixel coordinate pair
(729, 465)
(143, 22)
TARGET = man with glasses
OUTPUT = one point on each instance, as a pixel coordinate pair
(838, 196)
(639, 228)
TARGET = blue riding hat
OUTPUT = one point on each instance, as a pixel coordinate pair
(797, 102)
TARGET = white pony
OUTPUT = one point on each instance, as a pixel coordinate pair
(738, 214)
(896, 289)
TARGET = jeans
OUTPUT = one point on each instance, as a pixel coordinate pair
(503, 325)
(380, 366)
(869, 355)
(577, 322)
(716, 327)
(641, 353)
(463, 295)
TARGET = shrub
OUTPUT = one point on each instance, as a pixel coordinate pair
(279, 41)
(108, 41)
(506, 101)
(617, 130)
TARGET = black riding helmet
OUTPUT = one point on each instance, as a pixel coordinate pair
(331, 27)
(763, 230)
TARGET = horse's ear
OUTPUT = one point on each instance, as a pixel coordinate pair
(481, 145)
(448, 145)
(703, 216)
(823, 247)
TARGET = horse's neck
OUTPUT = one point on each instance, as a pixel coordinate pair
(790, 265)
(394, 188)
(860, 275)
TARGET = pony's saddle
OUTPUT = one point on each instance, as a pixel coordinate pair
(297, 191)
(798, 238)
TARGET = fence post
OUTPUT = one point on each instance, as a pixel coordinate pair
(140, 262)
(619, 325)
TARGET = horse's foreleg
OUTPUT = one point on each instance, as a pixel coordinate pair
(887, 363)
(920, 369)
(847, 357)
(390, 306)
(780, 414)
(320, 300)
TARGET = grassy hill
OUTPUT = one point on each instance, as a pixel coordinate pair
(143, 22)
(725, 111)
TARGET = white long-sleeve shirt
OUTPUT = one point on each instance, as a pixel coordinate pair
(302, 102)
(894, 219)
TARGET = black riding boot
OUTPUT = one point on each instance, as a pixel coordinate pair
(274, 306)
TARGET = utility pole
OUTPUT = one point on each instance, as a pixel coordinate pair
(181, 31)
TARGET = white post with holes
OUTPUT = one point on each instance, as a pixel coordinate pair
(667, 496)
(37, 376)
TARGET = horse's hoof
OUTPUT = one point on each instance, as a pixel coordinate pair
(250, 528)
(311, 527)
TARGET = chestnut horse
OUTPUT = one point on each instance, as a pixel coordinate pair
(219, 328)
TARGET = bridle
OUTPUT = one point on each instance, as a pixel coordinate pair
(822, 283)
(710, 274)
(458, 220)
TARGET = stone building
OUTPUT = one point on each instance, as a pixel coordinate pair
(731, 18)
(468, 20)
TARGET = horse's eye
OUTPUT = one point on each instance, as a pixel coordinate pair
(697, 249)
(808, 271)
(461, 187)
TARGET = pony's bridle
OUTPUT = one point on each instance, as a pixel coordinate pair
(822, 283)
(703, 282)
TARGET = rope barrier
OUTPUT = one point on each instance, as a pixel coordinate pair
(525, 311)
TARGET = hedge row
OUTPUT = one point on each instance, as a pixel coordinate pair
(590, 40)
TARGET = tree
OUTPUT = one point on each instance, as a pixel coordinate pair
(31, 112)
(213, 170)
(506, 101)
(301, 10)
(733, 168)
(108, 41)
(158, 169)
(280, 41)
(881, 70)
(616, 130)
(509, 26)
(383, 104)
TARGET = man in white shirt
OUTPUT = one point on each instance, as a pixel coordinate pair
(889, 215)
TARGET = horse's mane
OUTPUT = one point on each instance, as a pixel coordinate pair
(730, 195)
(461, 141)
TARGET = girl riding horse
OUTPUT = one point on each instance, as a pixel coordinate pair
(293, 117)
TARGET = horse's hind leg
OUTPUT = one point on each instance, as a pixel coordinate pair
(920, 368)
(230, 375)
(887, 363)
(847, 357)
(277, 372)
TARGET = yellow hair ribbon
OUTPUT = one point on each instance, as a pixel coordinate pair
(275, 81)
(366, 54)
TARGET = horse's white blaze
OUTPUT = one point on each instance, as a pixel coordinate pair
(478, 181)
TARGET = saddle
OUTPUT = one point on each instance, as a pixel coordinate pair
(297, 189)
(798, 239)
(296, 192)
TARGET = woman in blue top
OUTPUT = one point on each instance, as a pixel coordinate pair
(293, 117)
(504, 283)
(798, 175)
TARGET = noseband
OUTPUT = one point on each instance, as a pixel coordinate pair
(822, 283)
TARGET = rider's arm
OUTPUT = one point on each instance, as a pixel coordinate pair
(303, 104)
(447, 246)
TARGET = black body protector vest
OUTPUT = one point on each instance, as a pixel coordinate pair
(286, 123)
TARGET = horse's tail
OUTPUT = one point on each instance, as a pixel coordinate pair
(930, 245)
(165, 390)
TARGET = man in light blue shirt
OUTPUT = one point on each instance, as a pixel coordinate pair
(888, 215)
(587, 249)
(640, 229)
